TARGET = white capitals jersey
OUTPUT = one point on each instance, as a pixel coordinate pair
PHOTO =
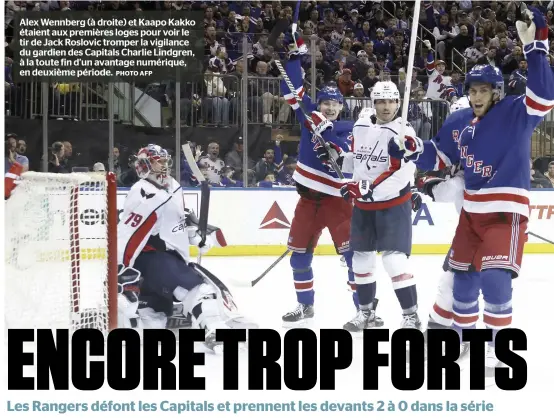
(370, 160)
(153, 219)
(451, 191)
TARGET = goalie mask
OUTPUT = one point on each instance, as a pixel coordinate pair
(381, 96)
(154, 163)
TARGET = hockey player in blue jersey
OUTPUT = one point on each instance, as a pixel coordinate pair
(320, 205)
(494, 151)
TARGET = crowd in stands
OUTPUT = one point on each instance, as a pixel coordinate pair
(357, 43)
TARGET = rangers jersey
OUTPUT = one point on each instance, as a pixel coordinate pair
(494, 151)
(439, 85)
(391, 178)
(310, 171)
(153, 219)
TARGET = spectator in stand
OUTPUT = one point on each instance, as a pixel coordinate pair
(345, 83)
(490, 58)
(212, 163)
(215, 104)
(511, 61)
(57, 155)
(416, 84)
(323, 69)
(345, 55)
(550, 172)
(67, 160)
(284, 176)
(12, 155)
(457, 83)
(420, 114)
(270, 163)
(268, 92)
(229, 179)
(269, 181)
(538, 180)
(463, 40)
(116, 163)
(474, 53)
(234, 159)
(99, 167)
(444, 34)
(518, 80)
(358, 101)
(370, 79)
(503, 50)
(22, 151)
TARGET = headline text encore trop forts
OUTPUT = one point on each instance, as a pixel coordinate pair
(97, 46)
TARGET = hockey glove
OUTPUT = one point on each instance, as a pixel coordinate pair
(320, 123)
(295, 45)
(416, 201)
(426, 184)
(355, 190)
(128, 283)
(335, 153)
(413, 147)
(195, 239)
(534, 36)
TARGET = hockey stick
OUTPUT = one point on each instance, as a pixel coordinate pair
(541, 238)
(320, 139)
(205, 198)
(410, 66)
(261, 276)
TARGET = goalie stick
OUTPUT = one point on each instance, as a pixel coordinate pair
(205, 197)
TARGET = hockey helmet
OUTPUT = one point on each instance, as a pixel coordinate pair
(330, 93)
(384, 90)
(486, 74)
(330, 102)
(153, 161)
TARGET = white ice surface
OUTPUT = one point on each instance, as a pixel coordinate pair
(274, 295)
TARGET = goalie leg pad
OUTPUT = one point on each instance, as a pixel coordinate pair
(126, 312)
(202, 303)
(303, 276)
(151, 319)
(403, 283)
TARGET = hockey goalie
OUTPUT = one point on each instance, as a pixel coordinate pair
(155, 273)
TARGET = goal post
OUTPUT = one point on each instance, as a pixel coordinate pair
(61, 252)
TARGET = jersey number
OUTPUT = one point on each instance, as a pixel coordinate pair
(134, 219)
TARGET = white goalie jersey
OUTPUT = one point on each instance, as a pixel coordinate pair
(370, 160)
(153, 219)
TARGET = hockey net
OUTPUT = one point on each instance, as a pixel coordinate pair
(61, 245)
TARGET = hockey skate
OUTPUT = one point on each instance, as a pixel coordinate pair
(301, 315)
(411, 321)
(364, 319)
(491, 363)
